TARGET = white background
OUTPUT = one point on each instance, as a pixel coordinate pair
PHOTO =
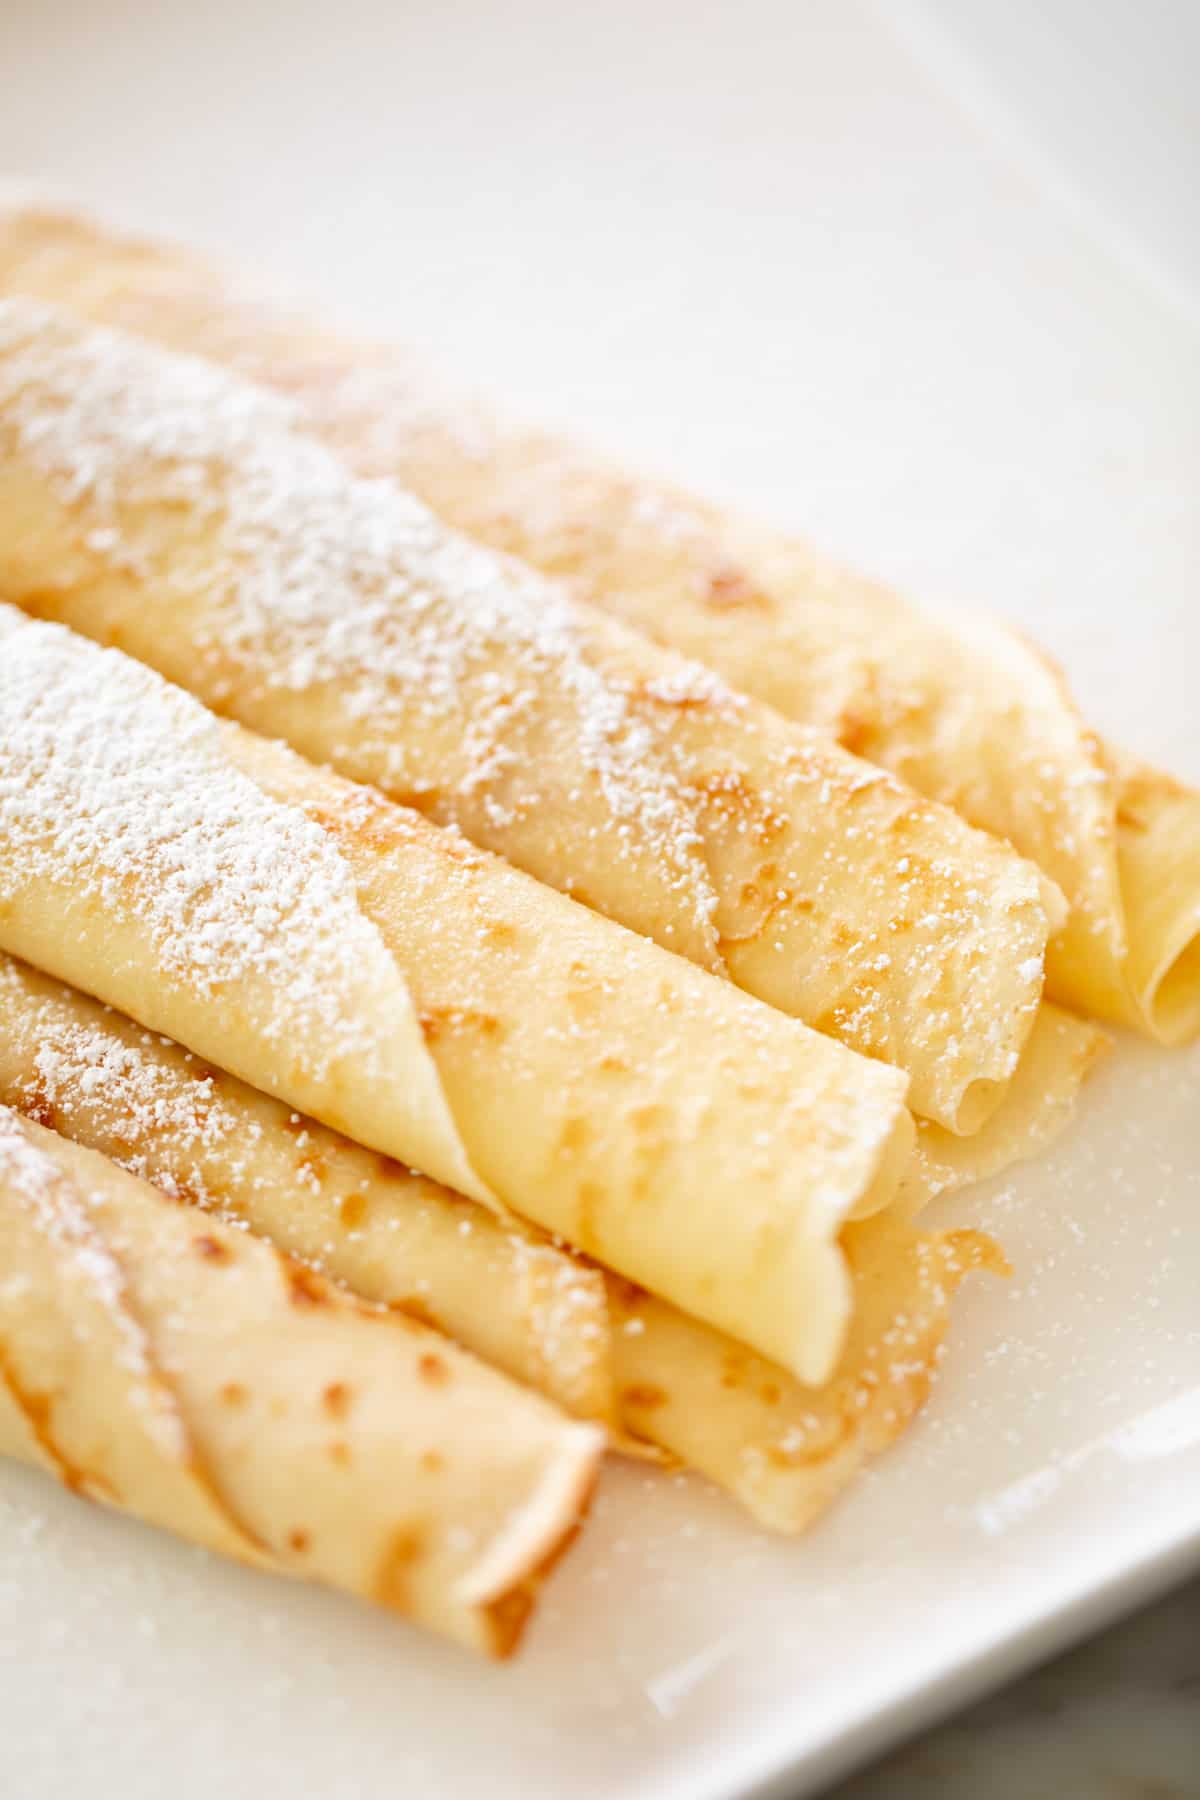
(925, 281)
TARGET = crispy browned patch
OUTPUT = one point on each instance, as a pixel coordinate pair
(588, 1198)
(391, 1170)
(234, 1394)
(574, 1136)
(392, 1580)
(437, 1021)
(339, 1452)
(434, 1369)
(35, 1104)
(305, 1288)
(336, 1399)
(625, 1293)
(413, 1312)
(353, 1211)
(299, 1540)
(432, 1461)
(38, 1409)
(643, 1394)
(732, 800)
(212, 1249)
(728, 586)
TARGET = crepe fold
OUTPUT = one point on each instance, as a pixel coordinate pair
(188, 1373)
(394, 1237)
(783, 1449)
(969, 713)
(379, 974)
(160, 504)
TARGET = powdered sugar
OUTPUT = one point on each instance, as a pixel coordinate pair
(119, 787)
(338, 581)
(30, 1176)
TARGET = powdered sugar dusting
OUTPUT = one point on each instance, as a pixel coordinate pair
(339, 580)
(119, 786)
(31, 1176)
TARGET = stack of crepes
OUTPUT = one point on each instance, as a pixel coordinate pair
(308, 911)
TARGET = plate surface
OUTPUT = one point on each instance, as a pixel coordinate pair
(793, 255)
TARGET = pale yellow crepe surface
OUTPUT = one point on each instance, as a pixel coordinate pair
(160, 504)
(391, 1235)
(165, 1363)
(421, 997)
(783, 1449)
(970, 714)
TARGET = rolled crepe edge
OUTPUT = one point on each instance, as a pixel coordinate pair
(516, 1562)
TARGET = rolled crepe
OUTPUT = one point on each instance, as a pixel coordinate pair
(159, 504)
(1060, 1055)
(787, 1450)
(379, 974)
(969, 713)
(784, 1450)
(190, 1374)
(391, 1235)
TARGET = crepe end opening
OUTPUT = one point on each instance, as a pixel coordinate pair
(979, 1101)
(1173, 1002)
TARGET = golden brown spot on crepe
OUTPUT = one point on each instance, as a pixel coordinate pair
(626, 1293)
(779, 899)
(296, 1122)
(337, 1397)
(736, 803)
(855, 732)
(727, 587)
(1127, 819)
(574, 1136)
(212, 1249)
(413, 1312)
(643, 1394)
(432, 1461)
(436, 1021)
(499, 934)
(38, 1409)
(654, 694)
(433, 1369)
(299, 1540)
(391, 1583)
(771, 1393)
(304, 1287)
(353, 1211)
(612, 1064)
(234, 1394)
(391, 1170)
(340, 1453)
(35, 1104)
(588, 1197)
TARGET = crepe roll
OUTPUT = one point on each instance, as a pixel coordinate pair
(160, 504)
(392, 1236)
(783, 1449)
(169, 1365)
(970, 714)
(378, 973)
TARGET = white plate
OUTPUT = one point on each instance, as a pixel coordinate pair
(761, 247)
